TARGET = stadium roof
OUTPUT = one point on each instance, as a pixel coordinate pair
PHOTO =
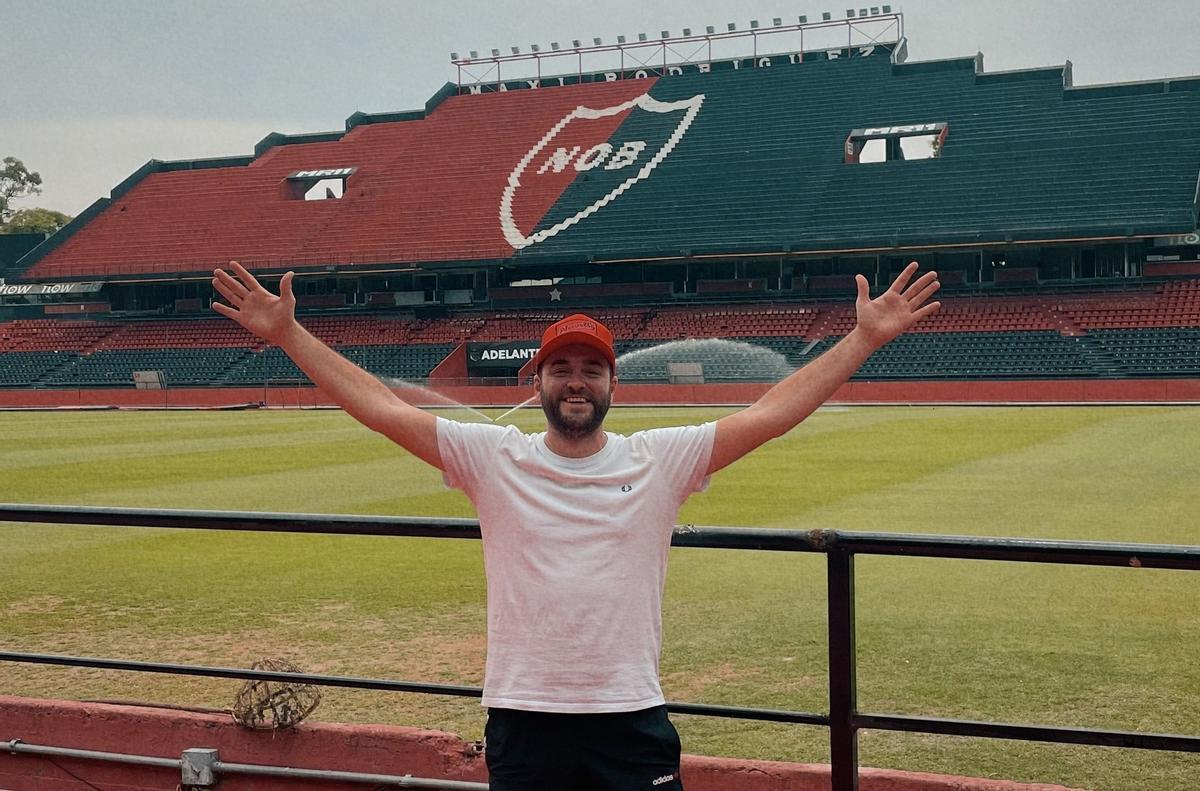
(736, 162)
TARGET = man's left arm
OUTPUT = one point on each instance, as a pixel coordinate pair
(786, 404)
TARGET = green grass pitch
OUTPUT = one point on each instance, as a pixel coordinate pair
(1106, 648)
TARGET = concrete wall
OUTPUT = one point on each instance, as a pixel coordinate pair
(378, 749)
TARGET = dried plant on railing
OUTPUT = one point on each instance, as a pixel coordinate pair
(272, 705)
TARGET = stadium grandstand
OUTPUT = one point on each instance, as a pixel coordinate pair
(732, 199)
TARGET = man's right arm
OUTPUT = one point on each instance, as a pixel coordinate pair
(359, 393)
(365, 398)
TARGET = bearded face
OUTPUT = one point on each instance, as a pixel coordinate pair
(575, 414)
(575, 388)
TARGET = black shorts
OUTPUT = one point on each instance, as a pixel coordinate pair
(626, 751)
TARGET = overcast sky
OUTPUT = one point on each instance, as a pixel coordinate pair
(90, 90)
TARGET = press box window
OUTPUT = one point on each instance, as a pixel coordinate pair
(891, 143)
(323, 184)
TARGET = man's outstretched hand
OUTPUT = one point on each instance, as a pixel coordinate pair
(896, 310)
(258, 310)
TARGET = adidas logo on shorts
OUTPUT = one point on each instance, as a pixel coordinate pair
(664, 779)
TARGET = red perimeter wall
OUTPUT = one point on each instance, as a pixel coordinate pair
(377, 749)
(1028, 391)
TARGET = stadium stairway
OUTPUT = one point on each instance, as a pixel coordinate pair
(1101, 359)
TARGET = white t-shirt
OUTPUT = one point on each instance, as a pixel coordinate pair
(575, 552)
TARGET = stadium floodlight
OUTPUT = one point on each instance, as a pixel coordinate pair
(576, 43)
(620, 39)
(641, 36)
(887, 9)
(776, 22)
(554, 46)
(534, 48)
(687, 31)
(874, 10)
(474, 54)
(516, 50)
(732, 26)
(862, 12)
(826, 16)
(596, 41)
(754, 24)
(495, 52)
(710, 30)
(803, 19)
(849, 13)
(453, 56)
(664, 34)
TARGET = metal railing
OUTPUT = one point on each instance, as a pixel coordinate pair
(844, 720)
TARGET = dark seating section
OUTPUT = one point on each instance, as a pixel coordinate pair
(388, 362)
(1160, 351)
(971, 355)
(21, 369)
(180, 367)
(1143, 329)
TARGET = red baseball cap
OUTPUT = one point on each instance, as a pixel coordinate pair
(580, 329)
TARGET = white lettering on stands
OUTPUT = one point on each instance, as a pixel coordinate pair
(319, 174)
(900, 130)
(559, 160)
(672, 70)
(22, 289)
(626, 155)
(593, 157)
(507, 354)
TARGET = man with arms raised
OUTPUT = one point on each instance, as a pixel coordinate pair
(576, 524)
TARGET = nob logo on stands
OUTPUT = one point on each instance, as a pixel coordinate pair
(589, 159)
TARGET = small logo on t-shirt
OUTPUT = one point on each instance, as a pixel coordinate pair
(664, 779)
(627, 487)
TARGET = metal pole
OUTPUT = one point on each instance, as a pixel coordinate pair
(843, 697)
(18, 747)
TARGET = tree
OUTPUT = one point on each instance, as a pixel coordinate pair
(35, 220)
(16, 181)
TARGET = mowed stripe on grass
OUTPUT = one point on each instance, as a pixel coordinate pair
(1100, 647)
